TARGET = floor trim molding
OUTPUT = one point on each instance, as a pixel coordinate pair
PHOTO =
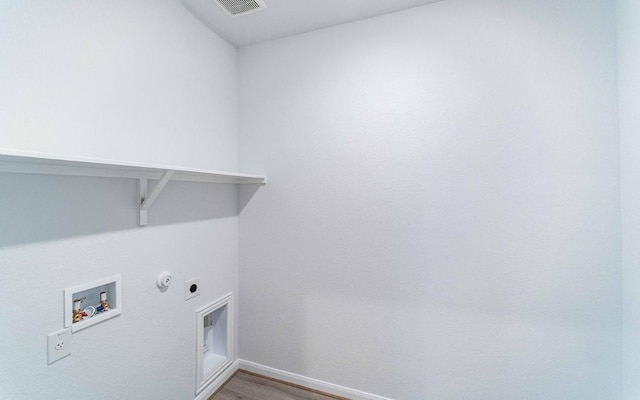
(307, 382)
(219, 381)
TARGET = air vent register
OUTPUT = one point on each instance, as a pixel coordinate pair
(236, 8)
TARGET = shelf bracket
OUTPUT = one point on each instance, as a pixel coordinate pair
(147, 201)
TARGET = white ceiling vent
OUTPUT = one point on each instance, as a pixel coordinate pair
(236, 8)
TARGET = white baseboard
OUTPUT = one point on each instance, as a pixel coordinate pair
(310, 383)
(219, 381)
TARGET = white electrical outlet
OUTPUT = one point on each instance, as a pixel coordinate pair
(191, 288)
(58, 345)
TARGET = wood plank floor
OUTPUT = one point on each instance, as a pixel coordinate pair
(248, 386)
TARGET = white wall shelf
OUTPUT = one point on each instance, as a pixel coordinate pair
(16, 161)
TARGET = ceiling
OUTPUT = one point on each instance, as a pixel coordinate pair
(290, 17)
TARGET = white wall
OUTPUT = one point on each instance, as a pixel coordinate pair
(629, 84)
(137, 81)
(442, 219)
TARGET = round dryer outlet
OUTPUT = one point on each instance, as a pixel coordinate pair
(191, 288)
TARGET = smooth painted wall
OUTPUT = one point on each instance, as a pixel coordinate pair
(129, 80)
(138, 80)
(442, 219)
(629, 83)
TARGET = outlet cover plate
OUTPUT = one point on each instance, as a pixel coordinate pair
(58, 345)
(188, 293)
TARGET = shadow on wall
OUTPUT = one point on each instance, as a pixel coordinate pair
(245, 194)
(36, 208)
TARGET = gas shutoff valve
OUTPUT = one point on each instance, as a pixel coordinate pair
(164, 280)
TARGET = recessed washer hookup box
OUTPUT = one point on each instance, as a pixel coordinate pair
(91, 303)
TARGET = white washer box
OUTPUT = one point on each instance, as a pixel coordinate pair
(89, 293)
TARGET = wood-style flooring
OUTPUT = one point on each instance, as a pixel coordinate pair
(248, 386)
